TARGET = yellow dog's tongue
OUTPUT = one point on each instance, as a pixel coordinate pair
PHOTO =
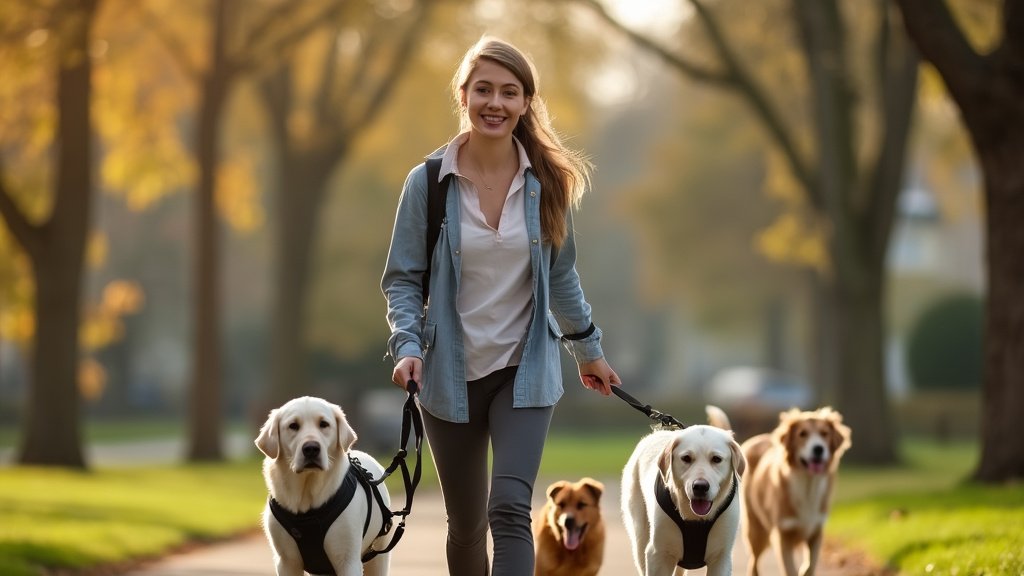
(572, 539)
(700, 507)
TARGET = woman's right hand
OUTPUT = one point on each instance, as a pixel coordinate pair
(408, 368)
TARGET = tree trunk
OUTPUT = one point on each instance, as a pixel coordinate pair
(298, 222)
(989, 90)
(1003, 408)
(206, 395)
(858, 314)
(59, 261)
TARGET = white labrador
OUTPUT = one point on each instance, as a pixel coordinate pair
(307, 443)
(699, 469)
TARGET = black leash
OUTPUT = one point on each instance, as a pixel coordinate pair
(665, 420)
(412, 421)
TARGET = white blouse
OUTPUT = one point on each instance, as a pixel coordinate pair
(495, 297)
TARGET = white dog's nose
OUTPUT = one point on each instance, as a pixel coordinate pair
(311, 450)
(700, 488)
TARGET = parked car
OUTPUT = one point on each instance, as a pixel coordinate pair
(753, 397)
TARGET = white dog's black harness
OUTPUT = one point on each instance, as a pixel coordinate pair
(694, 532)
(309, 528)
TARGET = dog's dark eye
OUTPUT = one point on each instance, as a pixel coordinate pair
(716, 459)
(688, 459)
(325, 424)
(293, 426)
(802, 434)
(581, 505)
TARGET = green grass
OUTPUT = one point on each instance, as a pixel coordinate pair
(62, 519)
(926, 518)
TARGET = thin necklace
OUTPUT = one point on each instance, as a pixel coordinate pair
(480, 174)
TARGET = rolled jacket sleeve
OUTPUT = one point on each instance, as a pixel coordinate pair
(568, 303)
(403, 274)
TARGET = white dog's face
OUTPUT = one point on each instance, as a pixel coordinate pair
(309, 434)
(699, 464)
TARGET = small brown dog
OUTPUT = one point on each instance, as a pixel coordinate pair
(791, 473)
(569, 532)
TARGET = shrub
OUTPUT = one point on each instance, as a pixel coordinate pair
(944, 351)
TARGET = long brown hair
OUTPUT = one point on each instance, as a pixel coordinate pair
(563, 173)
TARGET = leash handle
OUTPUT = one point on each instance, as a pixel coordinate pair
(412, 387)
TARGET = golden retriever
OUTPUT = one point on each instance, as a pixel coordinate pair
(787, 492)
(569, 531)
(679, 498)
(308, 444)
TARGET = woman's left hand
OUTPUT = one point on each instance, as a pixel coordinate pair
(598, 375)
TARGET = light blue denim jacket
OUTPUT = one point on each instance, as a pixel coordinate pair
(435, 334)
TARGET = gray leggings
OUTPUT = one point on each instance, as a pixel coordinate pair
(460, 455)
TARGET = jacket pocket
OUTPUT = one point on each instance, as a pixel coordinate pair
(429, 331)
(556, 332)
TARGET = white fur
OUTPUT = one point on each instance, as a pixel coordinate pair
(681, 458)
(299, 484)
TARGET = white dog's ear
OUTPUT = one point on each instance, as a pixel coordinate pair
(268, 441)
(346, 435)
(739, 461)
(665, 462)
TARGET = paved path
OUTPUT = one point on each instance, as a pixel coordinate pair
(421, 551)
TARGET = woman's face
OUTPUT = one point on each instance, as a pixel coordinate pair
(494, 100)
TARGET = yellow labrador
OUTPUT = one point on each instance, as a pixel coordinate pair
(311, 478)
(679, 498)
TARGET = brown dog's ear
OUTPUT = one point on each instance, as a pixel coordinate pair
(665, 462)
(557, 487)
(346, 435)
(839, 440)
(593, 486)
(268, 441)
(782, 435)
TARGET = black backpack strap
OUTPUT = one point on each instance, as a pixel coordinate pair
(437, 195)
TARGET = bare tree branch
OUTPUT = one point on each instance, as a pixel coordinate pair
(734, 78)
(173, 44)
(693, 70)
(26, 233)
(897, 64)
(941, 42)
(259, 49)
(399, 61)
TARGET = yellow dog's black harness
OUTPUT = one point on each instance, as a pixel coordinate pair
(309, 528)
(694, 532)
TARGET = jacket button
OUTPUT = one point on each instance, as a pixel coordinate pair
(533, 194)
(534, 241)
(458, 252)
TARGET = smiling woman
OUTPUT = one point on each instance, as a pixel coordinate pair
(503, 295)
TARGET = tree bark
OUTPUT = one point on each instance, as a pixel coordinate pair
(57, 257)
(989, 90)
(206, 393)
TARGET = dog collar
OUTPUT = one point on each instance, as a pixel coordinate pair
(694, 532)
